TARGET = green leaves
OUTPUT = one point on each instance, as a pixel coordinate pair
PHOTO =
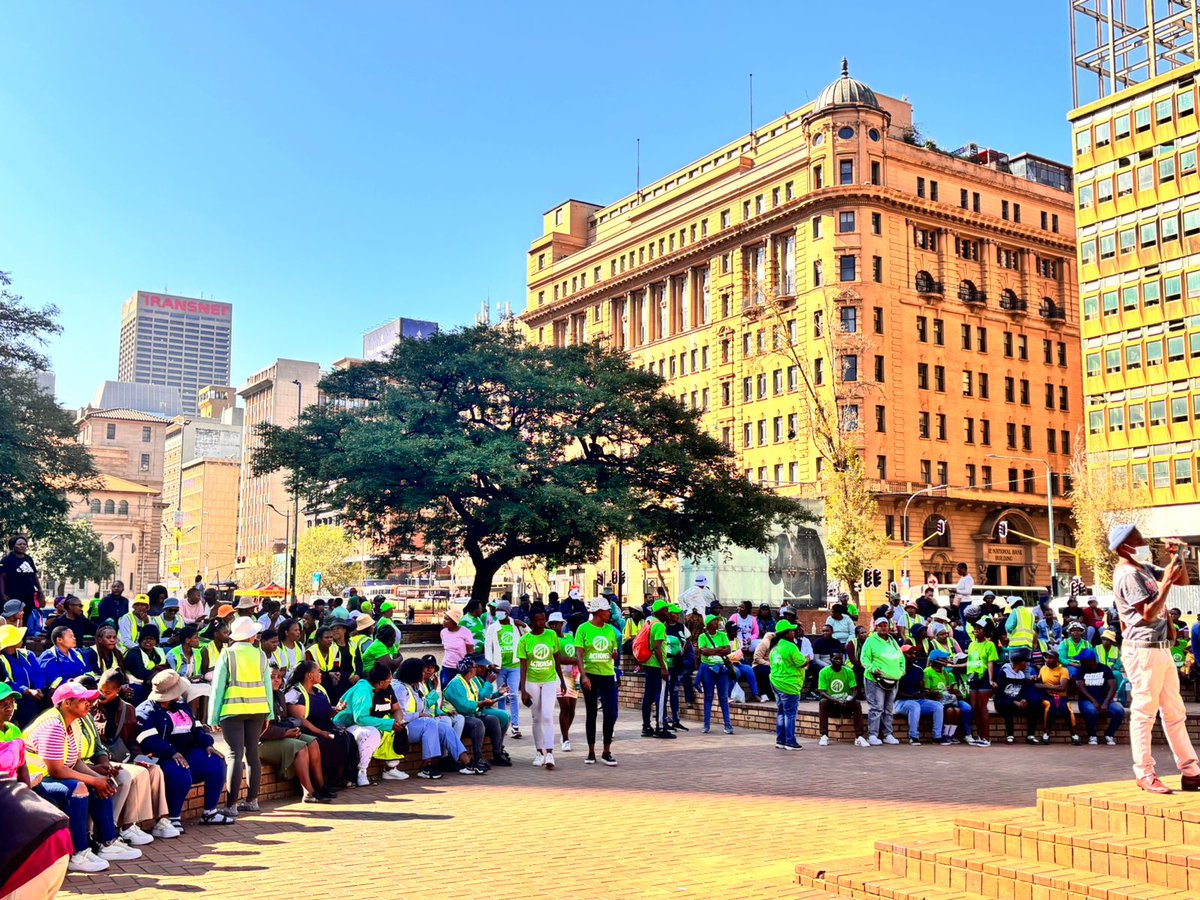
(72, 551)
(474, 442)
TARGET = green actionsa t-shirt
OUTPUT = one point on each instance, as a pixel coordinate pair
(938, 681)
(838, 685)
(787, 667)
(507, 637)
(658, 634)
(598, 644)
(979, 654)
(539, 649)
(566, 648)
(706, 641)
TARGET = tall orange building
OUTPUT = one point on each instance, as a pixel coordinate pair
(932, 294)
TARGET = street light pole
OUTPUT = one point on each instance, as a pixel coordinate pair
(904, 523)
(296, 494)
(1053, 553)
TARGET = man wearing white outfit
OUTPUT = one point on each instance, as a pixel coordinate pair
(1146, 658)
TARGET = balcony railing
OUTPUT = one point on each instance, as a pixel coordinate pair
(1014, 304)
(1054, 312)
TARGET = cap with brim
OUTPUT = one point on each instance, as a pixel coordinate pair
(141, 599)
(674, 608)
(364, 623)
(1086, 654)
(69, 690)
(938, 656)
(1075, 625)
(784, 627)
(223, 610)
(244, 629)
(503, 606)
(6, 692)
(881, 621)
(709, 619)
(171, 603)
(555, 617)
(455, 614)
(12, 607)
(912, 603)
(599, 604)
(1119, 534)
(787, 610)
(11, 636)
(386, 608)
(168, 685)
(659, 604)
(904, 648)
(1016, 601)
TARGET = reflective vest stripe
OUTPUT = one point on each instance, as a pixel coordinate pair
(244, 692)
(304, 694)
(1023, 634)
(326, 664)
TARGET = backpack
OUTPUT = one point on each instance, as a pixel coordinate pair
(641, 643)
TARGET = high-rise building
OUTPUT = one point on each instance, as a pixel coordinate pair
(180, 342)
(265, 516)
(155, 399)
(1137, 190)
(379, 341)
(929, 296)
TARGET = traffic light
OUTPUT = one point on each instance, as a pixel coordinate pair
(1002, 529)
(872, 578)
(1076, 586)
(941, 527)
(614, 577)
(867, 578)
(878, 580)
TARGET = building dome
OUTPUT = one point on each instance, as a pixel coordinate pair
(846, 92)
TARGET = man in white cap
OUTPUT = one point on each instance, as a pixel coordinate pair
(1146, 656)
(241, 702)
(698, 597)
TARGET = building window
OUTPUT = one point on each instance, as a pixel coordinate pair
(846, 268)
(818, 178)
(849, 367)
(110, 508)
(845, 222)
(881, 418)
(849, 319)
(816, 228)
(110, 431)
(877, 269)
(876, 172)
(876, 223)
(846, 171)
(817, 277)
(145, 434)
(922, 329)
(939, 379)
(923, 376)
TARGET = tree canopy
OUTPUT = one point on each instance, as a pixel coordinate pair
(324, 549)
(72, 551)
(475, 442)
(40, 460)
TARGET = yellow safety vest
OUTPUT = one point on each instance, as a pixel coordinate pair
(287, 659)
(135, 626)
(148, 662)
(37, 768)
(304, 695)
(1023, 634)
(244, 692)
(1108, 656)
(326, 664)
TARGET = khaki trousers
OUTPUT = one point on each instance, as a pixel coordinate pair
(1154, 688)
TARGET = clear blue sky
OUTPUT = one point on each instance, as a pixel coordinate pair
(328, 166)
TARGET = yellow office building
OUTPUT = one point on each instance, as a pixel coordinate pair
(932, 293)
(1137, 188)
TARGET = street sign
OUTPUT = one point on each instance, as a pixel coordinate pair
(179, 518)
(932, 581)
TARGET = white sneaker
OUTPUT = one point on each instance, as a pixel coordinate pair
(135, 837)
(1111, 741)
(890, 739)
(86, 861)
(762, 698)
(566, 747)
(861, 742)
(1092, 742)
(164, 829)
(824, 741)
(539, 760)
(549, 760)
(874, 741)
(394, 774)
(363, 780)
(119, 850)
(1045, 737)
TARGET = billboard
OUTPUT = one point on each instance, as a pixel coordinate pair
(378, 342)
(185, 305)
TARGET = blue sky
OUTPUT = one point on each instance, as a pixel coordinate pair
(328, 166)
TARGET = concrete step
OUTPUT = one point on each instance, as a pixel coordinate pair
(1120, 808)
(1027, 836)
(871, 884)
(946, 865)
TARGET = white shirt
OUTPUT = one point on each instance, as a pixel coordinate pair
(964, 587)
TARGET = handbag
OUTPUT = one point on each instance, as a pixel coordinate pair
(118, 750)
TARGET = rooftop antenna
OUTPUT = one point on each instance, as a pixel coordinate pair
(752, 140)
(639, 168)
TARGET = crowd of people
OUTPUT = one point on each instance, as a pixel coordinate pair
(109, 711)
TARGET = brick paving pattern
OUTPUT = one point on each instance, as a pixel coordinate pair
(705, 815)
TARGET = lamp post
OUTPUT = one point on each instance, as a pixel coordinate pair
(1053, 554)
(296, 494)
(907, 530)
(286, 536)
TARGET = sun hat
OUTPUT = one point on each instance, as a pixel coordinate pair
(937, 655)
(989, 595)
(599, 604)
(363, 623)
(787, 610)
(1109, 634)
(940, 616)
(223, 610)
(701, 581)
(555, 617)
(11, 635)
(70, 690)
(1119, 534)
(341, 613)
(247, 603)
(170, 603)
(1076, 624)
(912, 603)
(1015, 600)
(168, 685)
(959, 659)
(141, 598)
(455, 614)
(12, 607)
(784, 627)
(244, 629)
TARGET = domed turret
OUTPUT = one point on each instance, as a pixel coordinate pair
(846, 91)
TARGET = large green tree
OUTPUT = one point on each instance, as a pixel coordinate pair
(475, 442)
(40, 460)
(72, 551)
(325, 549)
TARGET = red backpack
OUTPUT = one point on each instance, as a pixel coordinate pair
(641, 643)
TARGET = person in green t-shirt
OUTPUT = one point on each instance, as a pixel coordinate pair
(788, 666)
(836, 686)
(956, 709)
(595, 644)
(8, 729)
(500, 647)
(982, 659)
(653, 670)
(537, 651)
(473, 620)
(712, 647)
(883, 666)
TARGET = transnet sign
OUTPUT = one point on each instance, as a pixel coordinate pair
(186, 305)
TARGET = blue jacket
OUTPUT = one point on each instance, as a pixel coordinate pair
(21, 671)
(59, 667)
(156, 731)
(112, 607)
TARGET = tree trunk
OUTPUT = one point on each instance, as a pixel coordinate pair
(481, 587)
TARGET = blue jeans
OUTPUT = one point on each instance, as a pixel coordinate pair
(747, 672)
(61, 793)
(717, 676)
(202, 767)
(914, 709)
(436, 736)
(656, 693)
(511, 678)
(1091, 714)
(786, 706)
(966, 714)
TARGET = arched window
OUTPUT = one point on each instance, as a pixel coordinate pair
(1010, 301)
(925, 283)
(95, 507)
(930, 528)
(967, 292)
(109, 507)
(123, 508)
(1051, 310)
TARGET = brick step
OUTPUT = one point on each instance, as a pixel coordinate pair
(1028, 836)
(869, 883)
(946, 865)
(1120, 808)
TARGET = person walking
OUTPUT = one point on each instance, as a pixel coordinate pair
(242, 699)
(541, 677)
(883, 667)
(1141, 600)
(713, 647)
(595, 643)
(788, 666)
(654, 669)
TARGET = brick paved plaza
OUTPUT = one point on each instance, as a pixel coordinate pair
(706, 815)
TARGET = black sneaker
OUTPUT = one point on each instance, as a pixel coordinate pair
(608, 760)
(647, 731)
(591, 760)
(914, 742)
(502, 761)
(429, 772)
(1076, 740)
(481, 764)
(679, 726)
(664, 735)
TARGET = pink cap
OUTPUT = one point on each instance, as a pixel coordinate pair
(69, 690)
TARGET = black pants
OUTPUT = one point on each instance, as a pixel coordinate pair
(603, 693)
(656, 692)
(1031, 713)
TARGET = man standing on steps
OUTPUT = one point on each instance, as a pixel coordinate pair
(656, 672)
(1146, 658)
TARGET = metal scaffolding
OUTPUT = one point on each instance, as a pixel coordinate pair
(1119, 43)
